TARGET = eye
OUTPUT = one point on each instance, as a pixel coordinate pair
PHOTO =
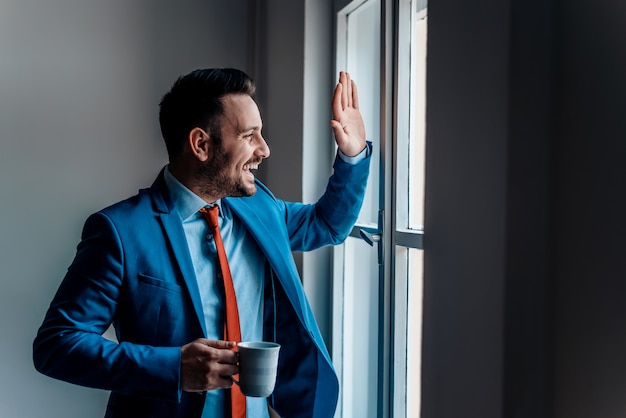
(251, 137)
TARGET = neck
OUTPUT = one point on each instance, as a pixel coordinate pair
(186, 176)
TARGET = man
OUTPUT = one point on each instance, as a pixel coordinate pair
(148, 265)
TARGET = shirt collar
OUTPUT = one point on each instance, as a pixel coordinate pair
(186, 202)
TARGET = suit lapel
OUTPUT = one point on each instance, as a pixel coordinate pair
(258, 216)
(175, 234)
(257, 220)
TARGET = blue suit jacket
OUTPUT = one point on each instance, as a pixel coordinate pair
(133, 269)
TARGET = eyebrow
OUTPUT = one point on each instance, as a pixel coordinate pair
(252, 128)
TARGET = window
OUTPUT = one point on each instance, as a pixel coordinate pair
(356, 293)
(377, 291)
(409, 203)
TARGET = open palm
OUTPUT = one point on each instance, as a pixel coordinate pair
(347, 121)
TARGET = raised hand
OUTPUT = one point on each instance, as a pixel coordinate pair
(347, 121)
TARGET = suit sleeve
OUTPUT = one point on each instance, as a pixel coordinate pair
(330, 219)
(70, 346)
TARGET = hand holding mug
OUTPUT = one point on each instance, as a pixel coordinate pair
(207, 365)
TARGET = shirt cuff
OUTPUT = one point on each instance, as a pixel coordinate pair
(357, 158)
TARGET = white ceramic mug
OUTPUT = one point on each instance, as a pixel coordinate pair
(258, 362)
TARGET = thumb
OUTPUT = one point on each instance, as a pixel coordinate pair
(338, 130)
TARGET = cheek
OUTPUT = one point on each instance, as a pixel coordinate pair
(242, 158)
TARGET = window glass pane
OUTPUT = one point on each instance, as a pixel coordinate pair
(411, 115)
(363, 64)
(417, 127)
(414, 333)
(408, 332)
(358, 350)
(409, 204)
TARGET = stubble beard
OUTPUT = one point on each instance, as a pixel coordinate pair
(216, 178)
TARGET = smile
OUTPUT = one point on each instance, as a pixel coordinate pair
(251, 167)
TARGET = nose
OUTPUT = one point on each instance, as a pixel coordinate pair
(263, 150)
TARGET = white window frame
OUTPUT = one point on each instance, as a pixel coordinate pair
(396, 244)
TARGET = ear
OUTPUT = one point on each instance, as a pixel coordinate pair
(199, 144)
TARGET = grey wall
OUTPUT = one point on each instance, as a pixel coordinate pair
(80, 83)
(524, 251)
(465, 213)
(589, 249)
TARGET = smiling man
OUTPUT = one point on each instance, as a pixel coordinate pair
(181, 288)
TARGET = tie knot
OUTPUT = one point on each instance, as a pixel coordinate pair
(210, 214)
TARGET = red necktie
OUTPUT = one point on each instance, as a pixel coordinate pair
(232, 331)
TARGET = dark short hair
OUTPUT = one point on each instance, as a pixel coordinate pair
(195, 101)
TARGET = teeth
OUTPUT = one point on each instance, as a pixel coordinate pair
(251, 167)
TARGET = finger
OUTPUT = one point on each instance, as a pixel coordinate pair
(228, 357)
(218, 343)
(355, 96)
(349, 89)
(224, 355)
(337, 101)
(344, 90)
(215, 350)
(225, 382)
(226, 370)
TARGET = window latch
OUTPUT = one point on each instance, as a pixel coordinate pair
(369, 237)
(374, 236)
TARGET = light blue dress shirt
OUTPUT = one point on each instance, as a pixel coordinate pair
(246, 261)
